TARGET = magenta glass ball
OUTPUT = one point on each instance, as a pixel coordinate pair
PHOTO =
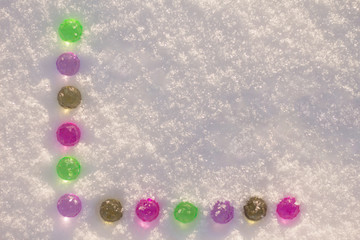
(69, 205)
(147, 210)
(287, 208)
(68, 64)
(222, 212)
(68, 134)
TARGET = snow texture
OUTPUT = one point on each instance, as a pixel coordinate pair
(199, 100)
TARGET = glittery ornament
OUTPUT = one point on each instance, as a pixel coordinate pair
(287, 208)
(70, 30)
(255, 209)
(69, 97)
(111, 210)
(185, 212)
(222, 212)
(68, 168)
(69, 205)
(68, 134)
(147, 210)
(68, 64)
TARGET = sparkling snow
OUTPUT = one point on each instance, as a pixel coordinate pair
(200, 100)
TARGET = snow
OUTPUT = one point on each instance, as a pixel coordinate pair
(199, 100)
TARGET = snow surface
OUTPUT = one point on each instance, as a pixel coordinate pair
(183, 100)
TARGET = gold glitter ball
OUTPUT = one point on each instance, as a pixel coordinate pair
(111, 210)
(255, 209)
(69, 97)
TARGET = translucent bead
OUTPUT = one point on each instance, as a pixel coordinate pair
(69, 205)
(222, 212)
(185, 212)
(68, 64)
(68, 168)
(70, 30)
(68, 134)
(287, 208)
(69, 97)
(111, 210)
(255, 209)
(147, 210)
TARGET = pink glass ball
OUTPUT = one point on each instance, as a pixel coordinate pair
(68, 134)
(69, 205)
(287, 208)
(147, 210)
(68, 64)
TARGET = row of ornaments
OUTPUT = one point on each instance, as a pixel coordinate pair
(147, 210)
(69, 205)
(69, 97)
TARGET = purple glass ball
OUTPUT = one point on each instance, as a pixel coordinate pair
(69, 205)
(287, 208)
(147, 210)
(68, 134)
(222, 212)
(68, 64)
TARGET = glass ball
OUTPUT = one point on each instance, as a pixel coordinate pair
(68, 64)
(69, 205)
(68, 134)
(147, 210)
(68, 168)
(222, 212)
(70, 30)
(287, 208)
(111, 210)
(69, 97)
(185, 212)
(255, 209)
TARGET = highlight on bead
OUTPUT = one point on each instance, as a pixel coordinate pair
(222, 212)
(111, 210)
(70, 30)
(69, 205)
(147, 210)
(68, 134)
(68, 168)
(185, 212)
(288, 208)
(68, 64)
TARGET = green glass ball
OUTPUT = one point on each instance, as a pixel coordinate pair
(68, 168)
(70, 30)
(185, 212)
